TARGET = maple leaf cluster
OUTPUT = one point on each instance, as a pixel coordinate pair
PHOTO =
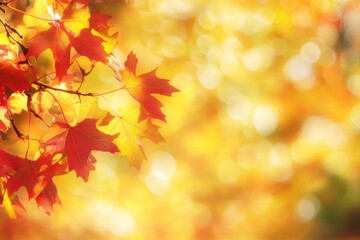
(70, 126)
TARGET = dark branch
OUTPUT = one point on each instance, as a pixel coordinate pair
(9, 31)
(30, 109)
(18, 133)
(44, 86)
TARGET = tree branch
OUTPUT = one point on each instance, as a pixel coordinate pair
(9, 30)
(44, 86)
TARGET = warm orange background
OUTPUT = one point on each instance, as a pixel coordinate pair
(262, 141)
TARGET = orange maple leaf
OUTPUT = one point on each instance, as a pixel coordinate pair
(142, 87)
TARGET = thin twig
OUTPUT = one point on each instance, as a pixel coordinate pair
(17, 131)
(9, 31)
(44, 86)
(30, 109)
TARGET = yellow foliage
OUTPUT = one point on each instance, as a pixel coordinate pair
(17, 102)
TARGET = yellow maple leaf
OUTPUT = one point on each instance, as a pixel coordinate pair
(131, 132)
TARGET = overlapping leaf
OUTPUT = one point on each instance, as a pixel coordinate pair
(131, 132)
(142, 87)
(13, 78)
(78, 141)
(36, 176)
(70, 31)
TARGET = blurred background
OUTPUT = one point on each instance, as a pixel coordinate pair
(262, 141)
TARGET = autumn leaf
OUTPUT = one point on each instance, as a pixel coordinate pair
(131, 132)
(48, 197)
(89, 45)
(143, 87)
(36, 176)
(14, 77)
(78, 141)
(66, 32)
(58, 43)
(99, 22)
(17, 102)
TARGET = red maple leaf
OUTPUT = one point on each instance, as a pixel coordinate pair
(60, 39)
(143, 87)
(99, 22)
(78, 141)
(36, 176)
(15, 78)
